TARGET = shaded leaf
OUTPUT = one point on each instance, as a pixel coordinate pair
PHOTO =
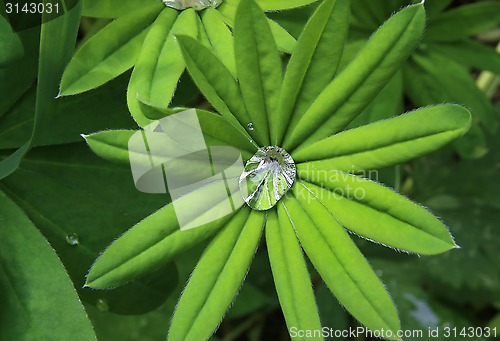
(34, 285)
(464, 21)
(11, 47)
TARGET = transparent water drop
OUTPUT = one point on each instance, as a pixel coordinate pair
(250, 126)
(102, 304)
(197, 5)
(72, 239)
(268, 175)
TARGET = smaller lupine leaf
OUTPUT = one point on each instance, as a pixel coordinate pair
(259, 67)
(109, 53)
(220, 38)
(283, 39)
(290, 274)
(11, 47)
(276, 5)
(436, 7)
(115, 8)
(341, 265)
(378, 213)
(464, 21)
(216, 83)
(154, 242)
(452, 82)
(217, 277)
(35, 285)
(353, 89)
(470, 53)
(314, 62)
(158, 46)
(388, 142)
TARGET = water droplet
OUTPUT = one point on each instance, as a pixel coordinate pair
(102, 304)
(250, 126)
(72, 239)
(197, 5)
(268, 175)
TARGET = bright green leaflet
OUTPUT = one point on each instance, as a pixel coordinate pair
(217, 84)
(108, 54)
(154, 242)
(35, 286)
(147, 64)
(340, 263)
(276, 5)
(11, 47)
(259, 68)
(220, 38)
(217, 278)
(377, 213)
(388, 142)
(57, 38)
(314, 62)
(353, 89)
(290, 273)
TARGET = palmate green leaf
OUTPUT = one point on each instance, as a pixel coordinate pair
(259, 68)
(284, 40)
(470, 53)
(109, 53)
(156, 240)
(57, 38)
(217, 277)
(290, 273)
(452, 82)
(217, 85)
(377, 213)
(353, 89)
(11, 47)
(77, 176)
(115, 8)
(464, 21)
(220, 38)
(388, 142)
(313, 64)
(435, 7)
(341, 265)
(34, 285)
